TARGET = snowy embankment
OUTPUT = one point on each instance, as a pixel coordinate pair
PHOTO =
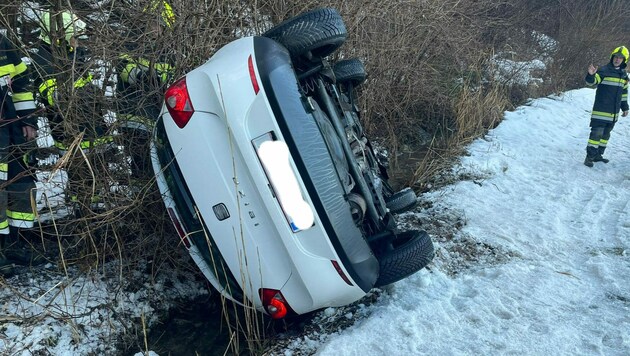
(552, 239)
(539, 267)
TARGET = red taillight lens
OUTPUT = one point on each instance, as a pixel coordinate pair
(252, 74)
(178, 103)
(274, 303)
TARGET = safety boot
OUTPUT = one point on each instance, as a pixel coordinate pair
(6, 266)
(19, 251)
(588, 161)
(598, 157)
(591, 153)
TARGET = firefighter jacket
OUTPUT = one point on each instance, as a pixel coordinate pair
(88, 114)
(16, 109)
(16, 96)
(611, 95)
(140, 89)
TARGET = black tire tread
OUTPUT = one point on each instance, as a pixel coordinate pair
(320, 31)
(401, 201)
(405, 260)
(351, 70)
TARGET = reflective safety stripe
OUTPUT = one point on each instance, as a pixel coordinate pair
(87, 143)
(22, 223)
(5, 231)
(81, 82)
(19, 69)
(47, 90)
(7, 69)
(24, 105)
(604, 116)
(603, 142)
(614, 82)
(136, 122)
(593, 143)
(130, 72)
(17, 219)
(4, 169)
(5, 80)
(4, 225)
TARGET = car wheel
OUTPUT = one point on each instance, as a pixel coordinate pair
(319, 32)
(401, 201)
(350, 70)
(409, 252)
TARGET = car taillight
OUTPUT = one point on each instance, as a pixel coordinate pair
(252, 74)
(178, 103)
(274, 303)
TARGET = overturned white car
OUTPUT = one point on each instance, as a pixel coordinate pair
(270, 181)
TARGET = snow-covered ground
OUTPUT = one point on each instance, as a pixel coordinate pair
(555, 278)
(540, 266)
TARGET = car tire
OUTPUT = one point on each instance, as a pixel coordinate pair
(319, 32)
(410, 252)
(401, 201)
(350, 70)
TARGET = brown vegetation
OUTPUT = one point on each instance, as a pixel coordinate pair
(430, 88)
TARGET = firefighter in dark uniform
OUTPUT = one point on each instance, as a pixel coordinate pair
(18, 132)
(611, 81)
(90, 121)
(60, 63)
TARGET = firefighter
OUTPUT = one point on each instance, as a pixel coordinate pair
(74, 105)
(143, 72)
(611, 81)
(18, 133)
(54, 63)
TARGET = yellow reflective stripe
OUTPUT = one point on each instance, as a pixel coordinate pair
(19, 69)
(598, 79)
(87, 143)
(4, 171)
(593, 142)
(604, 114)
(612, 83)
(4, 224)
(81, 82)
(14, 215)
(47, 90)
(26, 96)
(124, 74)
(613, 79)
(7, 69)
(4, 167)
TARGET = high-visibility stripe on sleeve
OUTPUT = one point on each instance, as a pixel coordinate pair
(19, 69)
(47, 90)
(23, 101)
